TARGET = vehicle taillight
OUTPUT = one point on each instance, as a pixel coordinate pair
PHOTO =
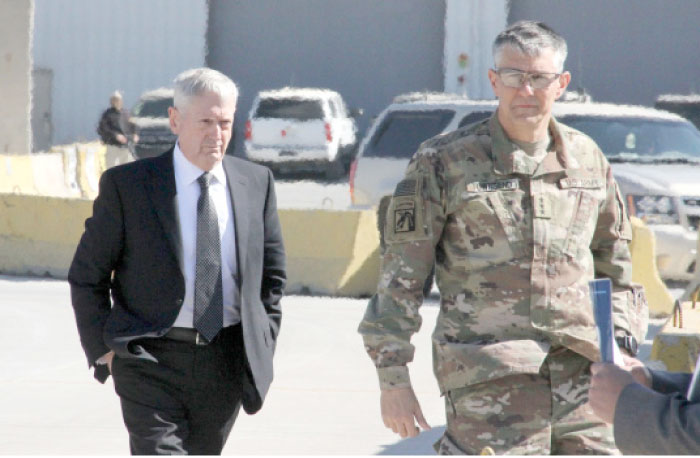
(329, 133)
(631, 208)
(248, 130)
(351, 180)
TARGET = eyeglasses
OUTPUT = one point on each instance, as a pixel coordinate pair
(512, 77)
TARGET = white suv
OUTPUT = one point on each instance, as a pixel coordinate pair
(301, 129)
(396, 134)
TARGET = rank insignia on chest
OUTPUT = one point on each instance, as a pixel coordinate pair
(542, 206)
(490, 186)
(404, 217)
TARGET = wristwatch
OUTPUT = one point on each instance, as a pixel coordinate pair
(628, 343)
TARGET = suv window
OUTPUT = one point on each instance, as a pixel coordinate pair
(300, 109)
(155, 108)
(342, 110)
(334, 111)
(401, 132)
(639, 139)
(474, 117)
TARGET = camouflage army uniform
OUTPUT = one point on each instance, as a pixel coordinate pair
(515, 243)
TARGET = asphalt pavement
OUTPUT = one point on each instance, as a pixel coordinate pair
(324, 399)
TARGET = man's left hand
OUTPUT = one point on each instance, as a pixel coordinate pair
(607, 383)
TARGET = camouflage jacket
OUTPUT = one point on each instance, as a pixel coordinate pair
(514, 242)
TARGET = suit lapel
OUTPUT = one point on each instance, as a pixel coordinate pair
(163, 195)
(238, 189)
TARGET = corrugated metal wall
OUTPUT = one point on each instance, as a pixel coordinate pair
(625, 51)
(367, 50)
(96, 46)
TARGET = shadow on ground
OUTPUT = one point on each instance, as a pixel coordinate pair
(421, 445)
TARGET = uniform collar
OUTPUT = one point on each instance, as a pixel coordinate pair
(558, 158)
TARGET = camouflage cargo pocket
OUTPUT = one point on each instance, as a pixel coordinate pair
(458, 365)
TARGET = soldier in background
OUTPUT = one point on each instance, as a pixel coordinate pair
(110, 127)
(518, 213)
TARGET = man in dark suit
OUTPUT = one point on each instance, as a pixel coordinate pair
(189, 246)
(647, 408)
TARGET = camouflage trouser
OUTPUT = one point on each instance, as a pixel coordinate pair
(527, 414)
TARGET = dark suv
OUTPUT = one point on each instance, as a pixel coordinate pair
(148, 126)
(687, 106)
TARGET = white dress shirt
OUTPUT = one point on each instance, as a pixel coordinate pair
(188, 192)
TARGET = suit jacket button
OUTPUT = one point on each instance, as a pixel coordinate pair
(178, 301)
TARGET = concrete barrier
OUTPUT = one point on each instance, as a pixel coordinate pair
(38, 235)
(677, 345)
(644, 269)
(331, 252)
(65, 171)
(328, 252)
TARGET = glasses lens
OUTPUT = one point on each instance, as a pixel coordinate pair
(516, 78)
(540, 81)
(512, 78)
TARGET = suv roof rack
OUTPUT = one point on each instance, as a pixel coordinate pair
(427, 96)
(679, 98)
(579, 95)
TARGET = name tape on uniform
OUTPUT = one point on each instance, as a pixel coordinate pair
(585, 183)
(490, 186)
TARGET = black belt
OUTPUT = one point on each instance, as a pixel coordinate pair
(188, 335)
(192, 336)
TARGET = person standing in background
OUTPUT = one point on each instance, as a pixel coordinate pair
(110, 126)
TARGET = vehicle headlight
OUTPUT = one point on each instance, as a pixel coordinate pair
(654, 209)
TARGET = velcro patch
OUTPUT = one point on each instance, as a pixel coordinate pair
(405, 217)
(405, 187)
(584, 183)
(490, 186)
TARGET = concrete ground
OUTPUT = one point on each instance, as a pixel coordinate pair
(324, 400)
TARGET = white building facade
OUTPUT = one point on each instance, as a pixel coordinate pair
(83, 50)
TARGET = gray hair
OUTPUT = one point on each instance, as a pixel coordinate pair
(531, 38)
(197, 81)
(116, 95)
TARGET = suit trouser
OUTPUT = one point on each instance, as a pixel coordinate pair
(187, 402)
(526, 414)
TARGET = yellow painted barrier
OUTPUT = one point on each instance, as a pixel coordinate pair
(65, 171)
(38, 235)
(16, 174)
(332, 253)
(644, 270)
(328, 252)
(678, 347)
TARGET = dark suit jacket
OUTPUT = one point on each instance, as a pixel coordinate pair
(658, 422)
(131, 249)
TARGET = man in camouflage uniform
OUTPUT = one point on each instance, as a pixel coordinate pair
(518, 213)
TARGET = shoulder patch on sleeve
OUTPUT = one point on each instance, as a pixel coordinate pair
(405, 217)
